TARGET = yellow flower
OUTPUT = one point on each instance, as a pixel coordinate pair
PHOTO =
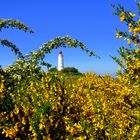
(130, 29)
(137, 30)
(131, 14)
(128, 42)
(1, 87)
(138, 22)
(67, 128)
(122, 16)
(135, 43)
(23, 121)
(129, 25)
(16, 110)
(17, 138)
(81, 138)
(16, 127)
(134, 34)
(137, 50)
(41, 126)
(118, 36)
(30, 128)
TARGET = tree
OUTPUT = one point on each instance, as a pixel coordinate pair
(71, 71)
(54, 69)
(46, 64)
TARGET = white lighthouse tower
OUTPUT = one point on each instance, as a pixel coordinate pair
(60, 61)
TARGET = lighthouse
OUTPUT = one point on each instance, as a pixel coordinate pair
(60, 61)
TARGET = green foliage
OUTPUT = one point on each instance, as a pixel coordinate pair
(6, 23)
(46, 64)
(129, 56)
(138, 4)
(124, 52)
(12, 46)
(14, 24)
(54, 70)
(58, 42)
(131, 21)
(70, 71)
(30, 64)
(64, 105)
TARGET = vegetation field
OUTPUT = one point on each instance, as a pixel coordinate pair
(68, 105)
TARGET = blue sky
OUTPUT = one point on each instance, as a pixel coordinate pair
(89, 21)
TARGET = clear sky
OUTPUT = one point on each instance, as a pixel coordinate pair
(89, 21)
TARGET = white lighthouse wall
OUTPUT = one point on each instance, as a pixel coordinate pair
(60, 62)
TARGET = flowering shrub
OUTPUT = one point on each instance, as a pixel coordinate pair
(129, 60)
(90, 107)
